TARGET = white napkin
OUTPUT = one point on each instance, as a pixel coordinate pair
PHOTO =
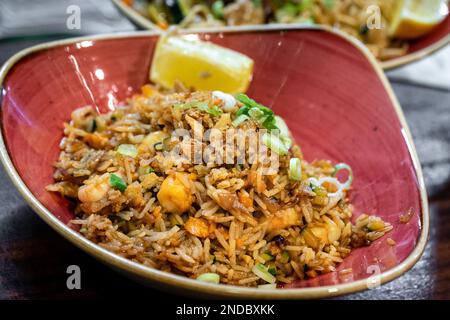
(432, 71)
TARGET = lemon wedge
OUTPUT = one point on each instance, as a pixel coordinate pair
(414, 18)
(200, 65)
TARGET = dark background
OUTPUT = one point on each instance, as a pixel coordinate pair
(34, 258)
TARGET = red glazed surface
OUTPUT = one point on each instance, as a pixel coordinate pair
(326, 89)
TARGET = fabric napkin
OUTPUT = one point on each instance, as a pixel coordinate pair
(432, 71)
(19, 18)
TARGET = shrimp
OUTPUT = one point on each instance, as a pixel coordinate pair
(283, 219)
(95, 190)
(174, 196)
(198, 227)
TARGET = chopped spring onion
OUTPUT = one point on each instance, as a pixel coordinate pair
(214, 111)
(318, 183)
(243, 98)
(286, 11)
(201, 105)
(262, 272)
(263, 115)
(217, 9)
(145, 170)
(192, 104)
(329, 4)
(344, 166)
(117, 182)
(255, 113)
(92, 126)
(267, 256)
(268, 286)
(242, 111)
(239, 120)
(285, 257)
(305, 5)
(295, 169)
(159, 146)
(282, 126)
(209, 277)
(275, 144)
(320, 191)
(287, 142)
(272, 269)
(269, 122)
(128, 150)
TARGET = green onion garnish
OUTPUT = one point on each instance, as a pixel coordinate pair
(272, 270)
(295, 169)
(159, 146)
(217, 8)
(117, 182)
(215, 111)
(263, 115)
(305, 5)
(344, 166)
(262, 272)
(285, 257)
(180, 106)
(209, 277)
(255, 113)
(201, 105)
(282, 126)
(192, 104)
(269, 122)
(242, 110)
(266, 256)
(243, 98)
(128, 150)
(287, 142)
(329, 4)
(145, 170)
(239, 120)
(275, 144)
(92, 126)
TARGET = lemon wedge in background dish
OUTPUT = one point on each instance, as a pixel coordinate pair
(200, 65)
(415, 18)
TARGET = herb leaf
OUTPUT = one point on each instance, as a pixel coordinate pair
(117, 182)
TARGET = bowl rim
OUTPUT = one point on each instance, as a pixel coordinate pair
(226, 291)
(390, 64)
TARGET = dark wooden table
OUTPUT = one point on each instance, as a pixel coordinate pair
(34, 259)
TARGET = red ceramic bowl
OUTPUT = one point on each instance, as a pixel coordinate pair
(331, 92)
(419, 48)
(423, 47)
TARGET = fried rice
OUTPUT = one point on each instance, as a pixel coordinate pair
(210, 220)
(351, 16)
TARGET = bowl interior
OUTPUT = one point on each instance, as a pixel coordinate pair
(326, 88)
